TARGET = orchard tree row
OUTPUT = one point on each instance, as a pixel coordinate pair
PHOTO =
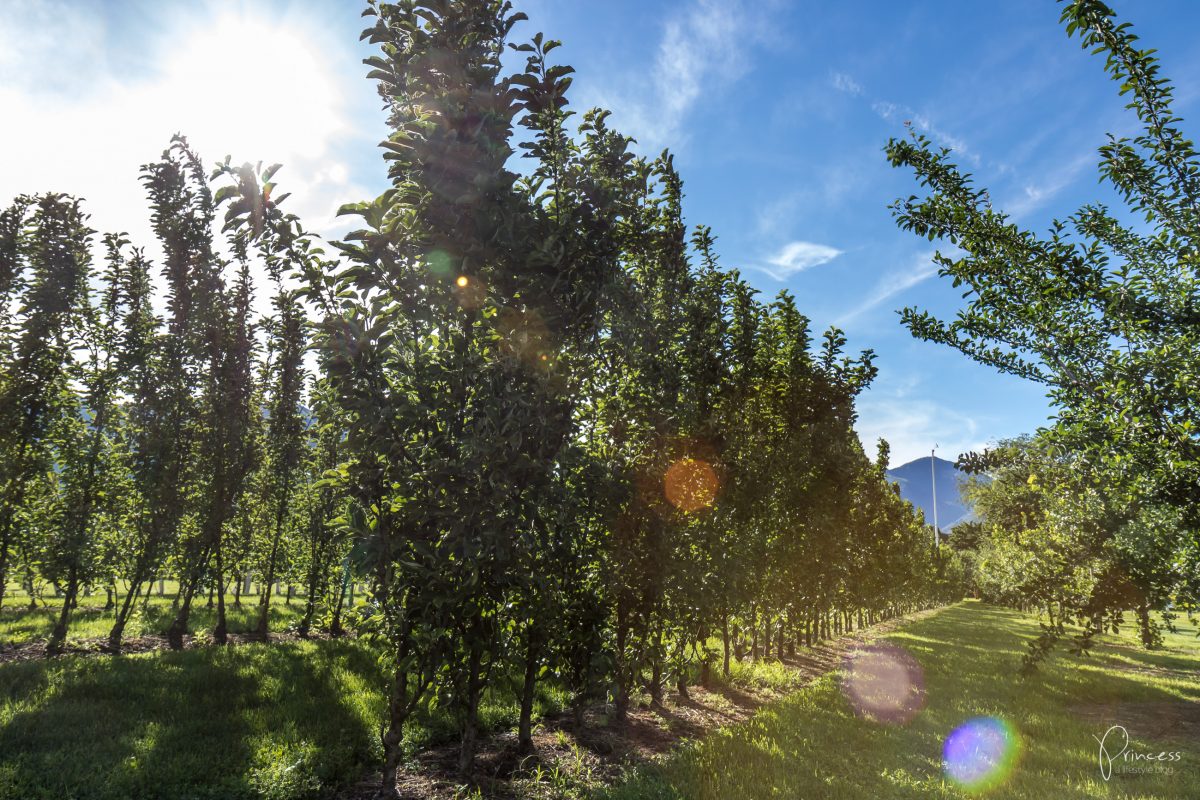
(140, 444)
(524, 404)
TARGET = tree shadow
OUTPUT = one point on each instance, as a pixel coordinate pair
(215, 723)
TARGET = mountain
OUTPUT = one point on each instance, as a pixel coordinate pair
(916, 486)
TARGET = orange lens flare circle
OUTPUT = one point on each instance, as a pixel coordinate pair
(691, 484)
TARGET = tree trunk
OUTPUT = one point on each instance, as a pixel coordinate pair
(621, 695)
(335, 622)
(470, 721)
(725, 644)
(754, 632)
(221, 632)
(264, 603)
(656, 670)
(310, 602)
(681, 673)
(393, 737)
(525, 727)
(178, 628)
(3, 567)
(1144, 625)
(117, 632)
(59, 635)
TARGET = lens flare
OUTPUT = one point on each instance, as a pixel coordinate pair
(439, 262)
(884, 683)
(980, 754)
(691, 484)
(462, 281)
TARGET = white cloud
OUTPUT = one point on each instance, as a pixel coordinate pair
(844, 83)
(921, 268)
(796, 257)
(254, 87)
(701, 52)
(912, 426)
(890, 112)
(1034, 195)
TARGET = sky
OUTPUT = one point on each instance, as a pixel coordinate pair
(777, 111)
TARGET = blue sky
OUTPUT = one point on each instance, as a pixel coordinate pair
(777, 111)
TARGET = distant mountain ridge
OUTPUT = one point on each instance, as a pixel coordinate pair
(916, 486)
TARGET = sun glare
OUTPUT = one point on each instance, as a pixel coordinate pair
(252, 88)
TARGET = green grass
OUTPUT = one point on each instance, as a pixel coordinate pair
(282, 721)
(19, 624)
(300, 719)
(812, 746)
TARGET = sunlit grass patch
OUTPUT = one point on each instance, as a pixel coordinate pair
(812, 745)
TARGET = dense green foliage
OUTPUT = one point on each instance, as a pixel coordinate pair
(1099, 514)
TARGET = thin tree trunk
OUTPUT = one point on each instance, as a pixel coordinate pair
(310, 603)
(725, 645)
(187, 590)
(59, 635)
(117, 632)
(335, 622)
(681, 676)
(525, 726)
(754, 632)
(393, 737)
(221, 632)
(621, 695)
(656, 670)
(470, 722)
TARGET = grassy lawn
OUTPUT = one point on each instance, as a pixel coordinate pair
(287, 720)
(19, 624)
(300, 719)
(812, 746)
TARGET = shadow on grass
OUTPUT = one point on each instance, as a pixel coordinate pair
(252, 721)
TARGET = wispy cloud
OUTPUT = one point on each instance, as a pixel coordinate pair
(845, 83)
(796, 257)
(912, 426)
(1036, 194)
(702, 50)
(891, 112)
(921, 268)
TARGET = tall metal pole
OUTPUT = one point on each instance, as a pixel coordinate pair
(933, 475)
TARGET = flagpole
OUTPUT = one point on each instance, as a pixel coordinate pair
(933, 476)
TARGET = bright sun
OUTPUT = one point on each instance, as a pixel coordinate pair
(251, 88)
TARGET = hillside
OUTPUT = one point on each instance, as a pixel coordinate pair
(916, 486)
